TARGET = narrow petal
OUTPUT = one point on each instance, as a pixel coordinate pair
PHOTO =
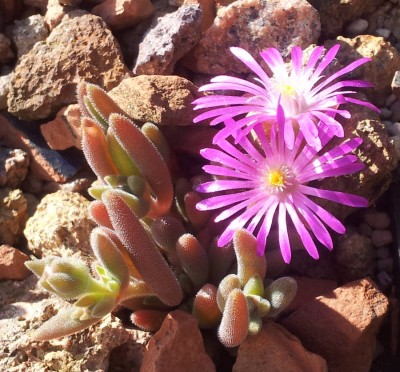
(249, 61)
(336, 196)
(302, 231)
(223, 171)
(284, 243)
(222, 185)
(220, 201)
(265, 228)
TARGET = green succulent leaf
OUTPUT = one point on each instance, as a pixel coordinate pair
(254, 286)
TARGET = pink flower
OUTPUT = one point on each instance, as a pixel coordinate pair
(266, 178)
(309, 99)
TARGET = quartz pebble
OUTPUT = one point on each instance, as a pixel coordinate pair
(381, 237)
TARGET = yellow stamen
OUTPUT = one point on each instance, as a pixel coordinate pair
(288, 90)
(276, 178)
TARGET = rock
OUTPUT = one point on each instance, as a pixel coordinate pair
(9, 10)
(335, 13)
(55, 12)
(275, 349)
(163, 100)
(40, 4)
(120, 14)
(391, 21)
(65, 130)
(381, 237)
(26, 309)
(60, 226)
(376, 152)
(376, 219)
(168, 39)
(13, 215)
(177, 346)
(45, 164)
(45, 79)
(6, 53)
(12, 264)
(14, 165)
(4, 89)
(253, 25)
(356, 27)
(355, 256)
(395, 109)
(208, 9)
(385, 61)
(308, 289)
(383, 32)
(129, 356)
(341, 325)
(27, 32)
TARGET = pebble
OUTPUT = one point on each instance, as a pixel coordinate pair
(381, 237)
(390, 100)
(383, 32)
(396, 143)
(385, 113)
(384, 279)
(393, 129)
(357, 27)
(396, 84)
(364, 229)
(395, 108)
(376, 219)
(382, 252)
(385, 264)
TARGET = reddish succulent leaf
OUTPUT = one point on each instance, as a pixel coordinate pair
(205, 307)
(148, 320)
(143, 252)
(98, 212)
(234, 325)
(94, 146)
(196, 217)
(221, 260)
(148, 160)
(193, 259)
(102, 103)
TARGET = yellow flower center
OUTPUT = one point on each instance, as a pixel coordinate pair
(276, 178)
(288, 90)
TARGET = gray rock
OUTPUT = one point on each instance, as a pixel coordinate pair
(169, 38)
(27, 32)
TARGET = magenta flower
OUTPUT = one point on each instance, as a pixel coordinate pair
(309, 98)
(267, 178)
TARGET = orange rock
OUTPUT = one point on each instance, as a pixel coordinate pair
(341, 325)
(12, 264)
(65, 130)
(308, 289)
(120, 14)
(275, 349)
(177, 346)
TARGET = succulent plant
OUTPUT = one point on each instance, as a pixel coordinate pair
(155, 251)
